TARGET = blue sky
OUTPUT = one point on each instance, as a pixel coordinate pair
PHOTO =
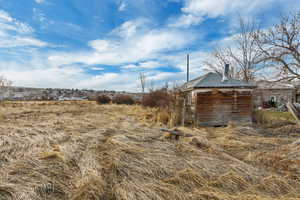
(104, 44)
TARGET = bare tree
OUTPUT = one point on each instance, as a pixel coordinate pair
(279, 46)
(242, 54)
(245, 53)
(142, 79)
(151, 86)
(166, 85)
(217, 60)
(4, 82)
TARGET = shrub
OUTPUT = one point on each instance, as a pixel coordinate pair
(169, 104)
(123, 99)
(103, 99)
(157, 98)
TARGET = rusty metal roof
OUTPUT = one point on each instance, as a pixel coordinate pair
(214, 80)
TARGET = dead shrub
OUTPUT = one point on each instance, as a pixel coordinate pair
(163, 116)
(157, 98)
(103, 99)
(168, 102)
(123, 99)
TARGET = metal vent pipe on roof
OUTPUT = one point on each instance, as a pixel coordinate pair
(225, 73)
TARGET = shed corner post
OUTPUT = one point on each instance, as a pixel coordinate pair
(196, 122)
(183, 111)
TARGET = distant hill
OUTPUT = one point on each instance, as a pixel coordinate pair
(25, 93)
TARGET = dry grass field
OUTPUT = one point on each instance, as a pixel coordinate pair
(81, 150)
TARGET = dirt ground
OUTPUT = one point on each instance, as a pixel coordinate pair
(81, 150)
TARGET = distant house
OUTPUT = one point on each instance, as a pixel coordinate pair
(214, 100)
(275, 92)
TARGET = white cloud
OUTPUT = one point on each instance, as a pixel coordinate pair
(128, 81)
(40, 1)
(134, 44)
(14, 33)
(97, 68)
(150, 64)
(186, 20)
(194, 11)
(38, 72)
(130, 66)
(162, 40)
(127, 29)
(7, 23)
(99, 81)
(43, 77)
(131, 27)
(143, 65)
(101, 45)
(4, 16)
(20, 41)
(135, 47)
(39, 16)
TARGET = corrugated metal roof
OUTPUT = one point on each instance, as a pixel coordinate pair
(214, 80)
(274, 85)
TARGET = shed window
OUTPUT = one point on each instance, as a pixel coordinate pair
(272, 99)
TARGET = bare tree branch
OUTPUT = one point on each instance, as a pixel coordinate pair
(280, 45)
(243, 55)
(142, 79)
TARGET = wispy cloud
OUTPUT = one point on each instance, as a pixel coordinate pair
(97, 68)
(14, 33)
(143, 65)
(130, 28)
(40, 1)
(133, 46)
(122, 5)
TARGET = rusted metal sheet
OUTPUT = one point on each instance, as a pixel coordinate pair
(218, 108)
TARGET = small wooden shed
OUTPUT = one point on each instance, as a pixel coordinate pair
(215, 100)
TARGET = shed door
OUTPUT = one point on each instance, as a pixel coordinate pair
(218, 108)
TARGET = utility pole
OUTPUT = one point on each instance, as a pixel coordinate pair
(142, 78)
(187, 68)
(184, 98)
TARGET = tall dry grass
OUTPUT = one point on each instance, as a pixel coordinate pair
(86, 151)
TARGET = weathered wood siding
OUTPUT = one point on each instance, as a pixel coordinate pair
(218, 108)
